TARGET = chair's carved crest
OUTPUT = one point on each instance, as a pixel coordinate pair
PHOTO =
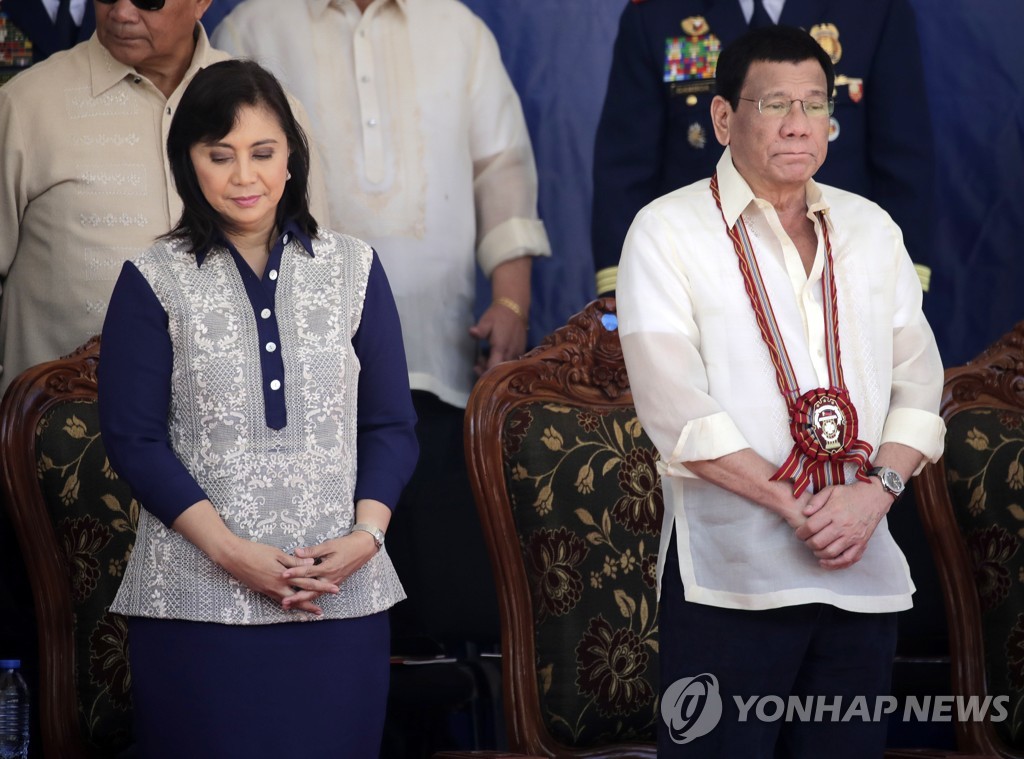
(996, 374)
(585, 353)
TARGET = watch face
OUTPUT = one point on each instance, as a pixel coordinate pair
(892, 481)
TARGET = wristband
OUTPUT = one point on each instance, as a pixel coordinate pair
(512, 306)
(375, 532)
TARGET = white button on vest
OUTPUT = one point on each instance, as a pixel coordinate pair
(265, 313)
(285, 239)
(273, 274)
(275, 384)
(271, 347)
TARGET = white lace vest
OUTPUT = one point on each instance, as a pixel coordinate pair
(287, 488)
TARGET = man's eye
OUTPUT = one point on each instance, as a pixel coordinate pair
(775, 107)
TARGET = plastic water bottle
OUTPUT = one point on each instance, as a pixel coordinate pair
(13, 711)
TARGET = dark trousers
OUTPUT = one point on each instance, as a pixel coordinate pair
(436, 542)
(796, 651)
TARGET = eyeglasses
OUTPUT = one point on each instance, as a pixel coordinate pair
(778, 107)
(142, 5)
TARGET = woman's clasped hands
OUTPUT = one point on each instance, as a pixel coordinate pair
(321, 569)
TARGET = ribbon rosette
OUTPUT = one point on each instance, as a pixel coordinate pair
(823, 424)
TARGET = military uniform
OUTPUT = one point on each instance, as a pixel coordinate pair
(32, 18)
(655, 133)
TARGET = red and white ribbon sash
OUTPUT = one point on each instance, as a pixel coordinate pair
(823, 422)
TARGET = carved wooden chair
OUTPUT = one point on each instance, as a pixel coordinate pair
(571, 507)
(972, 507)
(75, 523)
(566, 484)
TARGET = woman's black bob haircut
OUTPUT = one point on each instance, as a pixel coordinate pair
(772, 44)
(207, 112)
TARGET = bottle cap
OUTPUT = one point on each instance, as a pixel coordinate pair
(10, 663)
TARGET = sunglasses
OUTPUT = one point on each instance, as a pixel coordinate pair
(142, 5)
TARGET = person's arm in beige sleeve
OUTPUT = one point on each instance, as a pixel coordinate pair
(13, 187)
(509, 232)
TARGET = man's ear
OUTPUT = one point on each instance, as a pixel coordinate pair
(721, 116)
(201, 7)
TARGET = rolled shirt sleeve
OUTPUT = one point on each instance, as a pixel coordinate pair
(917, 374)
(658, 330)
(504, 172)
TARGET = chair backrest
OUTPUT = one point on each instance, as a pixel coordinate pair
(571, 506)
(972, 508)
(75, 522)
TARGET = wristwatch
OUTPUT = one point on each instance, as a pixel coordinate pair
(376, 532)
(890, 479)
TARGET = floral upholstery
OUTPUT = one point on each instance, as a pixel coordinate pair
(984, 461)
(75, 523)
(587, 506)
(570, 504)
(94, 519)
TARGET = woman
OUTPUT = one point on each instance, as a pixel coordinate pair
(254, 394)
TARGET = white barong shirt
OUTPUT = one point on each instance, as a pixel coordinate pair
(704, 385)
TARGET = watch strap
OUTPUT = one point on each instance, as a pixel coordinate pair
(375, 532)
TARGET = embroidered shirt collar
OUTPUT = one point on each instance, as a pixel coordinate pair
(107, 71)
(291, 229)
(737, 196)
(318, 7)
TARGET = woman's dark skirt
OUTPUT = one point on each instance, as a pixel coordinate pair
(291, 689)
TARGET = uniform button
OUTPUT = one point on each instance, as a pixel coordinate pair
(168, 110)
(271, 347)
(364, 79)
(265, 313)
(821, 352)
(285, 239)
(691, 100)
(273, 274)
(138, 80)
(371, 122)
(275, 384)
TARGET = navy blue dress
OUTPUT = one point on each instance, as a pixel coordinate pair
(203, 689)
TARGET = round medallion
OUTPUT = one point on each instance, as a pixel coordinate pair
(824, 423)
